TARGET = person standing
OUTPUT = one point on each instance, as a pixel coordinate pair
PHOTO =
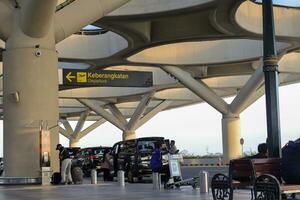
(66, 164)
(173, 148)
(106, 166)
(156, 163)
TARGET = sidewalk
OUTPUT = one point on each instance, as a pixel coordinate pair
(105, 191)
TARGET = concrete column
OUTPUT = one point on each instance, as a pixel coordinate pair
(231, 132)
(128, 135)
(30, 96)
(54, 137)
(74, 142)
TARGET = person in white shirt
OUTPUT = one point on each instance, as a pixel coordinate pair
(173, 148)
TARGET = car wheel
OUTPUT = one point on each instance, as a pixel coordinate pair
(140, 178)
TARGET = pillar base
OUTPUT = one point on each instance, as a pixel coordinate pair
(231, 131)
(74, 143)
(129, 135)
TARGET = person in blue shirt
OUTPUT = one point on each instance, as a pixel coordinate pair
(156, 162)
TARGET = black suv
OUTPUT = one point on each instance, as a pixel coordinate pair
(73, 151)
(133, 156)
(90, 158)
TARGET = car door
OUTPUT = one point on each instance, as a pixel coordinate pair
(114, 153)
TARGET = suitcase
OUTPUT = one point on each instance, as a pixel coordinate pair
(77, 175)
(56, 178)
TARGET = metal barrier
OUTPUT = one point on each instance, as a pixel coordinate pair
(156, 180)
(203, 181)
(121, 178)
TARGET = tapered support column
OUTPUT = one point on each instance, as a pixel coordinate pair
(30, 95)
(30, 98)
(128, 135)
(54, 160)
(74, 143)
(231, 132)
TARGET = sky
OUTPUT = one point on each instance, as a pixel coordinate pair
(285, 2)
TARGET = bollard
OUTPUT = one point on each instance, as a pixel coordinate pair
(156, 181)
(121, 178)
(94, 176)
(203, 181)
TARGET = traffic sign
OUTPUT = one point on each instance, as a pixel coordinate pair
(106, 78)
(242, 141)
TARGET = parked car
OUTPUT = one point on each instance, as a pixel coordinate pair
(90, 158)
(73, 151)
(133, 156)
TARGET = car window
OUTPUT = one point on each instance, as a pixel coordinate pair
(86, 152)
(146, 146)
(99, 151)
(127, 147)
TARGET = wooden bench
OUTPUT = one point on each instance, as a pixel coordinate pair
(242, 175)
(270, 187)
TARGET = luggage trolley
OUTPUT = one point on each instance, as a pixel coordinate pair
(176, 179)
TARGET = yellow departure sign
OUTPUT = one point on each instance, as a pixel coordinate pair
(73, 77)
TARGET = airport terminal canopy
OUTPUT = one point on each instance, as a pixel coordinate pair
(140, 57)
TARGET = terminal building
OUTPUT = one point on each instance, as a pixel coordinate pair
(124, 61)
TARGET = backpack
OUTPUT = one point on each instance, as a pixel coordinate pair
(290, 166)
(56, 178)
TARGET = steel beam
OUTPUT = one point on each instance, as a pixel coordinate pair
(199, 88)
(91, 128)
(37, 17)
(117, 113)
(238, 104)
(80, 123)
(67, 126)
(100, 111)
(164, 104)
(139, 111)
(64, 132)
(253, 98)
(67, 23)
